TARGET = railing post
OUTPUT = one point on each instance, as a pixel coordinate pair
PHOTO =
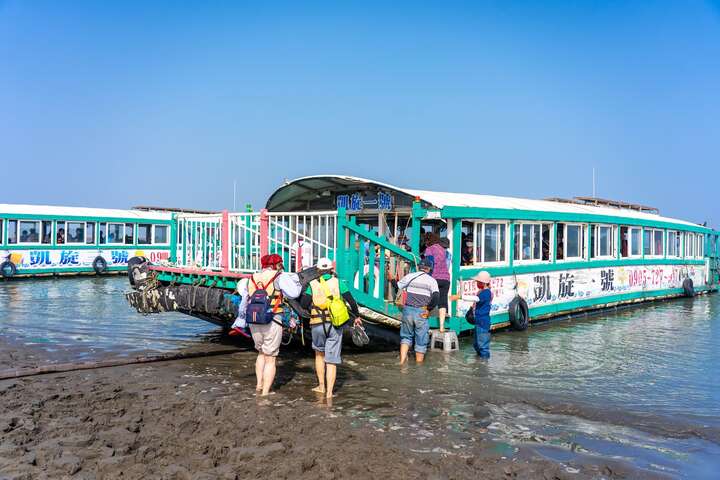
(225, 242)
(340, 248)
(264, 232)
(417, 215)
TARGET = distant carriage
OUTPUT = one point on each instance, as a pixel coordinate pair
(46, 240)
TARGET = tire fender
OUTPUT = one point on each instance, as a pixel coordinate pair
(518, 313)
(135, 269)
(8, 269)
(688, 287)
(99, 265)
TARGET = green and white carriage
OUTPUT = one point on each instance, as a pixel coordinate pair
(48, 240)
(546, 257)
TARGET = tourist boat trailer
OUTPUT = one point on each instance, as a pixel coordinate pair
(49, 240)
(546, 257)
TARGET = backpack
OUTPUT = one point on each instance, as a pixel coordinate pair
(335, 306)
(259, 308)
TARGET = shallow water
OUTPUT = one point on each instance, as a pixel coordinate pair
(89, 316)
(638, 386)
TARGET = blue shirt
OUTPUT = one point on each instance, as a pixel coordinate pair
(482, 310)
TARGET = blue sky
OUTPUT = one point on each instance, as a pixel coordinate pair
(115, 104)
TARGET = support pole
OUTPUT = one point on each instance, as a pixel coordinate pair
(225, 242)
(264, 232)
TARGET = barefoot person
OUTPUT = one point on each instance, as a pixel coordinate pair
(422, 296)
(266, 290)
(326, 337)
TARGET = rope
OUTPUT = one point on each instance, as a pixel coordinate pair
(71, 367)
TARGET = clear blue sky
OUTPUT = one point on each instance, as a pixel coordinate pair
(115, 104)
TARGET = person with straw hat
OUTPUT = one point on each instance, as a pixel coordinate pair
(482, 302)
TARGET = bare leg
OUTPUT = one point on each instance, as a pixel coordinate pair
(259, 369)
(419, 357)
(442, 313)
(268, 374)
(331, 373)
(404, 348)
(320, 371)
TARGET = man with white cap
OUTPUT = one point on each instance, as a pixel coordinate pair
(481, 304)
(327, 337)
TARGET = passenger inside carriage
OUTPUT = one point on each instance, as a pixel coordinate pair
(61, 235)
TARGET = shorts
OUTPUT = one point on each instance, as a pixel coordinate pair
(414, 328)
(444, 287)
(267, 338)
(330, 344)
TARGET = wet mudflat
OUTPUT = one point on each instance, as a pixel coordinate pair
(625, 394)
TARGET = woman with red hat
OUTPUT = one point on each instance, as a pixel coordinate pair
(267, 337)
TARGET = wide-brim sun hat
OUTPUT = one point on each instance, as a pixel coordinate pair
(324, 264)
(483, 277)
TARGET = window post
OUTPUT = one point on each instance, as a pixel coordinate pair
(553, 243)
(511, 241)
(456, 258)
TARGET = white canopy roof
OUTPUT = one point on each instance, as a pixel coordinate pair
(298, 187)
(57, 211)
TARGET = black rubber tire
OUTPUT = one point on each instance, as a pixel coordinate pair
(518, 313)
(132, 264)
(8, 269)
(99, 265)
(688, 287)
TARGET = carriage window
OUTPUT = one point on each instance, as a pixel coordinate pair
(673, 247)
(161, 234)
(603, 241)
(570, 241)
(490, 243)
(29, 231)
(532, 241)
(90, 233)
(60, 235)
(115, 233)
(659, 243)
(12, 231)
(688, 245)
(701, 246)
(75, 232)
(2, 223)
(144, 234)
(624, 241)
(647, 241)
(635, 241)
(129, 233)
(102, 234)
(46, 233)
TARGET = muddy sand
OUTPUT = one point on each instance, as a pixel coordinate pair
(174, 420)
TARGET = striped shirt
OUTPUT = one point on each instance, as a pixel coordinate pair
(420, 288)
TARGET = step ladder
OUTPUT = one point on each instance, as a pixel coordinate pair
(447, 340)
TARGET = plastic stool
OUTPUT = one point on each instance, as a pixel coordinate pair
(447, 340)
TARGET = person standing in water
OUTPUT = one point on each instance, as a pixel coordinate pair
(267, 337)
(481, 303)
(422, 296)
(327, 338)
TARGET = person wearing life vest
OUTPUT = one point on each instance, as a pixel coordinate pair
(327, 298)
(267, 337)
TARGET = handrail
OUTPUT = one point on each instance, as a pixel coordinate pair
(370, 265)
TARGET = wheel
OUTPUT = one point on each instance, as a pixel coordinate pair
(518, 313)
(8, 269)
(688, 287)
(99, 265)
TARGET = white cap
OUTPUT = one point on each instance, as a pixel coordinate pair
(324, 264)
(483, 277)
